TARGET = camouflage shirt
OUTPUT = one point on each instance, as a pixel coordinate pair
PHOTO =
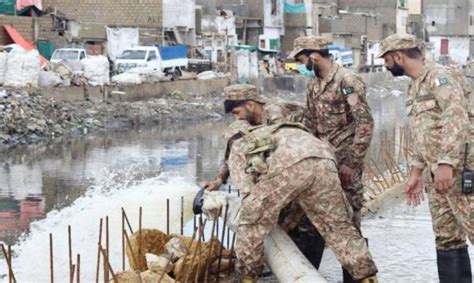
(272, 113)
(438, 110)
(291, 146)
(338, 111)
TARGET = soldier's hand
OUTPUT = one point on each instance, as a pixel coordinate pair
(443, 178)
(213, 186)
(414, 188)
(345, 174)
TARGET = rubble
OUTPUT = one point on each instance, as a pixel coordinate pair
(27, 117)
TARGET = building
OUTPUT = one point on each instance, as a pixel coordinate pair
(179, 25)
(94, 15)
(450, 27)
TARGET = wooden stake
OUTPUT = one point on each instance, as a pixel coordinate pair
(98, 252)
(106, 264)
(168, 216)
(71, 276)
(109, 267)
(128, 222)
(123, 240)
(140, 238)
(222, 243)
(51, 259)
(182, 216)
(8, 259)
(78, 273)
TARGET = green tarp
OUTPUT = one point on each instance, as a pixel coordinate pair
(294, 8)
(45, 48)
(7, 7)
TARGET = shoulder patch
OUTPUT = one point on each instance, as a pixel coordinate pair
(348, 90)
(442, 81)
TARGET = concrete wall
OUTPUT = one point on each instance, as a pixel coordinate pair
(458, 47)
(139, 13)
(25, 26)
(179, 14)
(447, 17)
(385, 8)
(137, 93)
(414, 7)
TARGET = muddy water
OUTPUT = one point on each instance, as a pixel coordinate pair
(45, 188)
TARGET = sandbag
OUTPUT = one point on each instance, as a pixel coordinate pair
(23, 69)
(49, 79)
(96, 70)
(127, 78)
(3, 66)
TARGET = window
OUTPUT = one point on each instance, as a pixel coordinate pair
(152, 56)
(83, 55)
(433, 23)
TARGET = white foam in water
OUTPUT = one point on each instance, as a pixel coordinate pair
(31, 255)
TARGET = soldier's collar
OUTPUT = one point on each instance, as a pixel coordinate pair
(426, 69)
(332, 72)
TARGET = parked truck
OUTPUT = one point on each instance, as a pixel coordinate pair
(68, 54)
(169, 59)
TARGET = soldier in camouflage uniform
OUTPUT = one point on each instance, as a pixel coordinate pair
(275, 165)
(292, 219)
(271, 113)
(438, 111)
(339, 114)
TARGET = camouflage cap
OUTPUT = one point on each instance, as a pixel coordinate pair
(243, 92)
(234, 128)
(398, 42)
(308, 43)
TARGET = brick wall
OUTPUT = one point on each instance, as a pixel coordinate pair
(25, 26)
(136, 13)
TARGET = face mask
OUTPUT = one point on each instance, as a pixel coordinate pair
(312, 67)
(305, 72)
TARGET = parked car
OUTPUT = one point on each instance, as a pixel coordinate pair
(68, 54)
(169, 59)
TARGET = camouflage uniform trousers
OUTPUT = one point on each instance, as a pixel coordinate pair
(323, 201)
(452, 217)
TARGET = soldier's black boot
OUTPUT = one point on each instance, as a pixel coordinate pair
(313, 247)
(347, 278)
(454, 266)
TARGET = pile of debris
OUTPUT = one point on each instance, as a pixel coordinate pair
(27, 117)
(154, 256)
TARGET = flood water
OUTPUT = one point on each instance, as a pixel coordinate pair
(44, 188)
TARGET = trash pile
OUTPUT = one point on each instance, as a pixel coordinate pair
(154, 256)
(27, 116)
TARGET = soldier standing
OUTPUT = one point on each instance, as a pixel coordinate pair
(339, 114)
(438, 111)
